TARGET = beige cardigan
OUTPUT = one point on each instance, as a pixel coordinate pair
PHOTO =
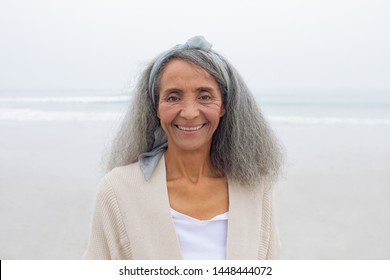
(132, 219)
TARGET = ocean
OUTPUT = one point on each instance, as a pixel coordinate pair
(308, 108)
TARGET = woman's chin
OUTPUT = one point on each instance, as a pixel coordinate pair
(190, 146)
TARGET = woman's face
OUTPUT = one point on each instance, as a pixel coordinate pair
(190, 105)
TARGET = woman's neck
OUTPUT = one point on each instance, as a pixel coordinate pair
(190, 165)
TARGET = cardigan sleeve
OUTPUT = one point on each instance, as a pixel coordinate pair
(274, 244)
(108, 238)
(269, 245)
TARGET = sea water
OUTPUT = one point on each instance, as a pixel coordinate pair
(62, 105)
(298, 108)
(328, 108)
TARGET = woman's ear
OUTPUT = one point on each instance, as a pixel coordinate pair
(157, 112)
(222, 113)
(157, 107)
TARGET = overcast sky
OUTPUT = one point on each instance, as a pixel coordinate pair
(275, 44)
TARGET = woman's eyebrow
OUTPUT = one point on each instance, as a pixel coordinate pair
(180, 91)
(171, 90)
(205, 88)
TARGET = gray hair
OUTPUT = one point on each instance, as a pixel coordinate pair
(243, 147)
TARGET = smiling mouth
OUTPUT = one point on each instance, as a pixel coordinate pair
(195, 128)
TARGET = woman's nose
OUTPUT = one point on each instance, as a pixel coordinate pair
(189, 110)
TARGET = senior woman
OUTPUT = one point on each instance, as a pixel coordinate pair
(191, 168)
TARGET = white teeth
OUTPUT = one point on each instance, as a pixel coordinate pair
(190, 128)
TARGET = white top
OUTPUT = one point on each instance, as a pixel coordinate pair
(201, 239)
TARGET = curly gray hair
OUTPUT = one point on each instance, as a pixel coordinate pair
(243, 147)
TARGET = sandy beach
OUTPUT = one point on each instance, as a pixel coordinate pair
(332, 202)
(49, 175)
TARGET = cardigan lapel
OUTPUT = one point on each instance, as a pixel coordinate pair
(244, 224)
(166, 240)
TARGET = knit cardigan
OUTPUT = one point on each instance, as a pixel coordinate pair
(132, 219)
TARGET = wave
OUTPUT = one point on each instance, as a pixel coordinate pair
(327, 120)
(66, 99)
(37, 115)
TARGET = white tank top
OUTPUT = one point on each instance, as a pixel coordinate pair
(201, 239)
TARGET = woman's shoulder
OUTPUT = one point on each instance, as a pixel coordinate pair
(132, 169)
(122, 178)
(125, 187)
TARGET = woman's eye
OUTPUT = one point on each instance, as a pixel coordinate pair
(205, 98)
(172, 98)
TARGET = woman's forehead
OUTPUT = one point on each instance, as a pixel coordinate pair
(178, 70)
